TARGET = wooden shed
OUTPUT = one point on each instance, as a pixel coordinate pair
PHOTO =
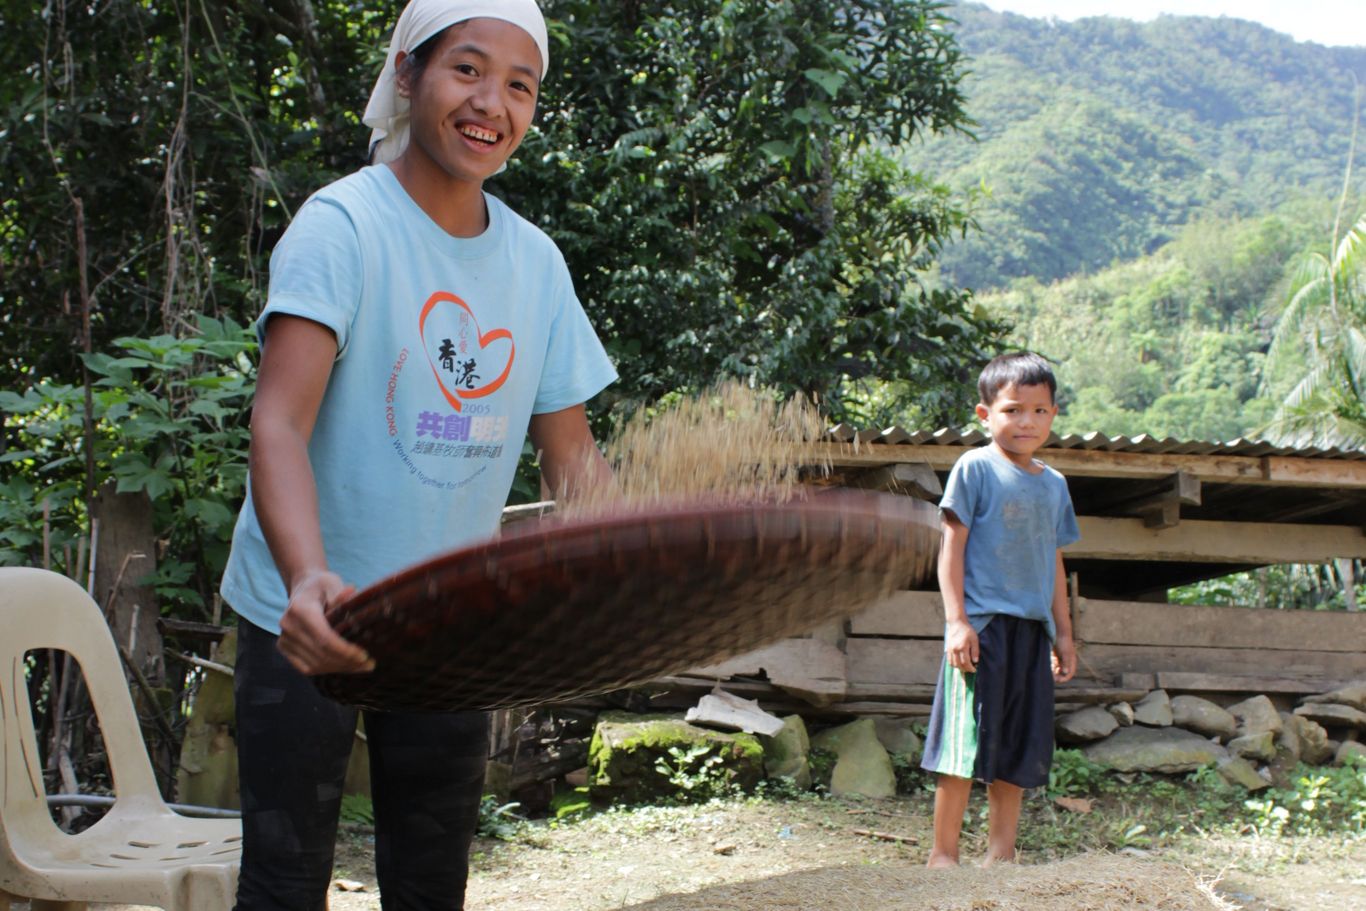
(1154, 514)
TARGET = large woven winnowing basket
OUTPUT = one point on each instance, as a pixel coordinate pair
(568, 608)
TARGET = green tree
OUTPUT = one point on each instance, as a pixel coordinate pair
(717, 176)
(150, 155)
(1320, 341)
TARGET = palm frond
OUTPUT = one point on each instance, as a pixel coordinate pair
(1349, 270)
(1308, 299)
(1351, 248)
(1310, 386)
(1354, 363)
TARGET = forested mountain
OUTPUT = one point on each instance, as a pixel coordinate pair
(1144, 193)
(1097, 139)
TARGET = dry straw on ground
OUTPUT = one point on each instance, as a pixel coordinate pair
(1088, 883)
(731, 443)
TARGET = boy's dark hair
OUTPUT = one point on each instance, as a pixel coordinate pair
(1019, 368)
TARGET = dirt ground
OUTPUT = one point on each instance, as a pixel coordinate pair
(625, 858)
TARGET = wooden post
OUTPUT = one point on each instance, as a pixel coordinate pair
(1347, 573)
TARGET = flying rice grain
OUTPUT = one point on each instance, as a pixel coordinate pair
(731, 443)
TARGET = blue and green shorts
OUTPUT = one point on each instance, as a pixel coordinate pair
(996, 723)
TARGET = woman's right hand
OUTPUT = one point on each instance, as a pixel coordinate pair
(960, 646)
(308, 640)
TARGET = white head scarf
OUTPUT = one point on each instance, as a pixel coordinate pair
(387, 112)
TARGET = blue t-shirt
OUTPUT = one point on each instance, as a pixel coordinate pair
(446, 347)
(1016, 522)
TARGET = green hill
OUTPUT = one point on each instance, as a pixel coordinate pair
(1171, 344)
(1098, 139)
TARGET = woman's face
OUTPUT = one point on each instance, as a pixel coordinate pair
(471, 104)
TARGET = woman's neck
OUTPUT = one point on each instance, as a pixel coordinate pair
(457, 206)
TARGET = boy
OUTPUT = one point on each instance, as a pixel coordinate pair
(416, 332)
(1005, 517)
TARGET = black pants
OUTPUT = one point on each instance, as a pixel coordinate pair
(1014, 702)
(293, 744)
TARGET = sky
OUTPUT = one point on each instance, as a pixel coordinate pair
(1322, 21)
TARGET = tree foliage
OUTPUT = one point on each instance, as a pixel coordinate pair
(169, 415)
(717, 176)
(720, 176)
(1171, 344)
(151, 152)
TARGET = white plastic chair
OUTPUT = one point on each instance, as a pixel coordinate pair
(140, 853)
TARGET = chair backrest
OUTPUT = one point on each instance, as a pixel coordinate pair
(45, 610)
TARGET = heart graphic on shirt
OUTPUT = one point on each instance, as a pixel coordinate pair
(484, 339)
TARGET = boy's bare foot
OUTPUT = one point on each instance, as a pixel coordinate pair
(991, 859)
(941, 860)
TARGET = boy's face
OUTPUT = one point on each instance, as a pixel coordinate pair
(1019, 420)
(472, 103)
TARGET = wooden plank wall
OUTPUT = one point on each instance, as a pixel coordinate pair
(887, 659)
(1131, 644)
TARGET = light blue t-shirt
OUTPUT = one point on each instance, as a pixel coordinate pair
(446, 347)
(1016, 522)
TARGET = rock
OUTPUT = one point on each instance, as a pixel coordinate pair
(732, 713)
(1303, 740)
(1314, 748)
(1254, 746)
(1084, 726)
(1256, 715)
(898, 737)
(1080, 805)
(1288, 742)
(1237, 770)
(1350, 750)
(1122, 712)
(1203, 717)
(1352, 695)
(1144, 749)
(862, 765)
(785, 753)
(1154, 710)
(1332, 715)
(626, 748)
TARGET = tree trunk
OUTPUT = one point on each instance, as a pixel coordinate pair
(126, 554)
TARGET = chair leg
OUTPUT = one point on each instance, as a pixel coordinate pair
(206, 890)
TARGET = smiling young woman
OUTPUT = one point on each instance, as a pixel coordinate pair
(416, 332)
(472, 94)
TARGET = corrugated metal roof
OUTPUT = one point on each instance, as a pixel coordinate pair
(898, 436)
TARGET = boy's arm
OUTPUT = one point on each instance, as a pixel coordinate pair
(1064, 649)
(960, 639)
(571, 464)
(296, 362)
